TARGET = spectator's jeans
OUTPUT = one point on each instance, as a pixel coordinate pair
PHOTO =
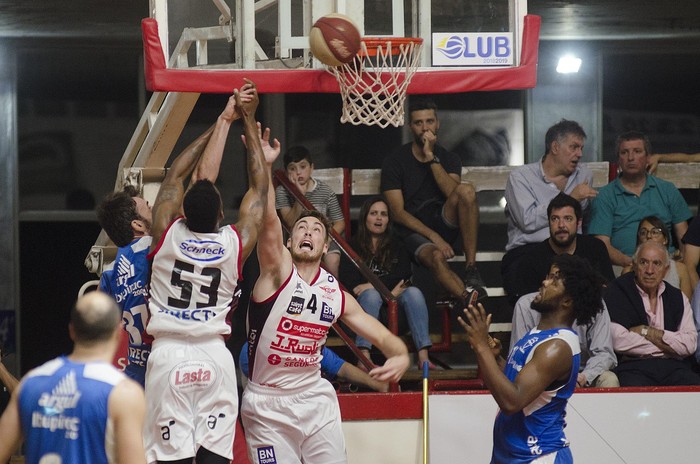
(413, 304)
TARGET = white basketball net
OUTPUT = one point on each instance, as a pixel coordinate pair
(373, 88)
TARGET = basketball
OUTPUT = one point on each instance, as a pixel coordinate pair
(334, 39)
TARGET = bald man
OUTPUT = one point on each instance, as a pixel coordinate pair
(79, 408)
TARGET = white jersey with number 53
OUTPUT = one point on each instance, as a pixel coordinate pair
(194, 278)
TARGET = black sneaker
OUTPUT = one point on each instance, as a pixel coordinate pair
(474, 285)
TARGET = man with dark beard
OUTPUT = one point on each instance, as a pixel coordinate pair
(564, 216)
(533, 387)
(432, 208)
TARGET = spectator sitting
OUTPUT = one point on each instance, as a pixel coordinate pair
(635, 194)
(332, 367)
(653, 228)
(565, 217)
(530, 188)
(386, 256)
(652, 324)
(300, 168)
(431, 206)
(597, 354)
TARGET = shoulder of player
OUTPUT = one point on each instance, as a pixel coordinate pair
(554, 349)
(124, 394)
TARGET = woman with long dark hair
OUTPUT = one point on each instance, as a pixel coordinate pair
(386, 256)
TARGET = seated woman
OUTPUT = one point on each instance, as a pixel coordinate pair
(653, 228)
(387, 257)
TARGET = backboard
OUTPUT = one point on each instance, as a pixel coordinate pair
(476, 45)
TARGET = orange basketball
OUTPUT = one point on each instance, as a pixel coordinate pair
(334, 39)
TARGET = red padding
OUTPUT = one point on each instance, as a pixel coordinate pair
(162, 79)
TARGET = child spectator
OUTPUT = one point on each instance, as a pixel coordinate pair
(300, 167)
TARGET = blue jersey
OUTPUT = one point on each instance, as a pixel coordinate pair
(63, 412)
(126, 282)
(538, 429)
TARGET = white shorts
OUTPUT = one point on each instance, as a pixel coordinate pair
(191, 399)
(290, 427)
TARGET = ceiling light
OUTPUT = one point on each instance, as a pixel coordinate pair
(568, 64)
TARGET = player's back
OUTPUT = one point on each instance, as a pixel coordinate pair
(194, 277)
(64, 412)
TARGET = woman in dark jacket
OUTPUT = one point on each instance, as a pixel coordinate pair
(386, 256)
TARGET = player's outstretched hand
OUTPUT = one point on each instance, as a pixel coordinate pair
(392, 370)
(476, 323)
(270, 150)
(246, 99)
(247, 93)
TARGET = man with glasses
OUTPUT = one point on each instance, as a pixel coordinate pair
(635, 194)
(652, 327)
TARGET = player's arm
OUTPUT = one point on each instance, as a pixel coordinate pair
(209, 164)
(6, 378)
(172, 189)
(273, 257)
(10, 429)
(389, 344)
(551, 362)
(127, 408)
(252, 207)
(357, 376)
(290, 214)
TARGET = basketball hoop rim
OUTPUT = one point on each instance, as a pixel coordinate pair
(372, 44)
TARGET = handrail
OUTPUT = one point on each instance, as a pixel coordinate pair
(392, 305)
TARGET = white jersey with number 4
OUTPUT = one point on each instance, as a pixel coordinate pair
(194, 277)
(288, 330)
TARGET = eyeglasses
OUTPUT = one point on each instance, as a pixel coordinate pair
(654, 231)
(655, 264)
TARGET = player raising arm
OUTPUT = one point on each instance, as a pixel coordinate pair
(294, 304)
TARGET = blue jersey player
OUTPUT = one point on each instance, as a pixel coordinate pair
(79, 408)
(126, 282)
(533, 386)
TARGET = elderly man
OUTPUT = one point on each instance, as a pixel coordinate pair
(634, 195)
(652, 323)
(531, 187)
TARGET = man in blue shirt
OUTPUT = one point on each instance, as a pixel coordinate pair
(533, 387)
(634, 195)
(79, 408)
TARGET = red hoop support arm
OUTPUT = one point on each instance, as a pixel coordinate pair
(160, 78)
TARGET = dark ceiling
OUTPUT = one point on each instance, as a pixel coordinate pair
(561, 19)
